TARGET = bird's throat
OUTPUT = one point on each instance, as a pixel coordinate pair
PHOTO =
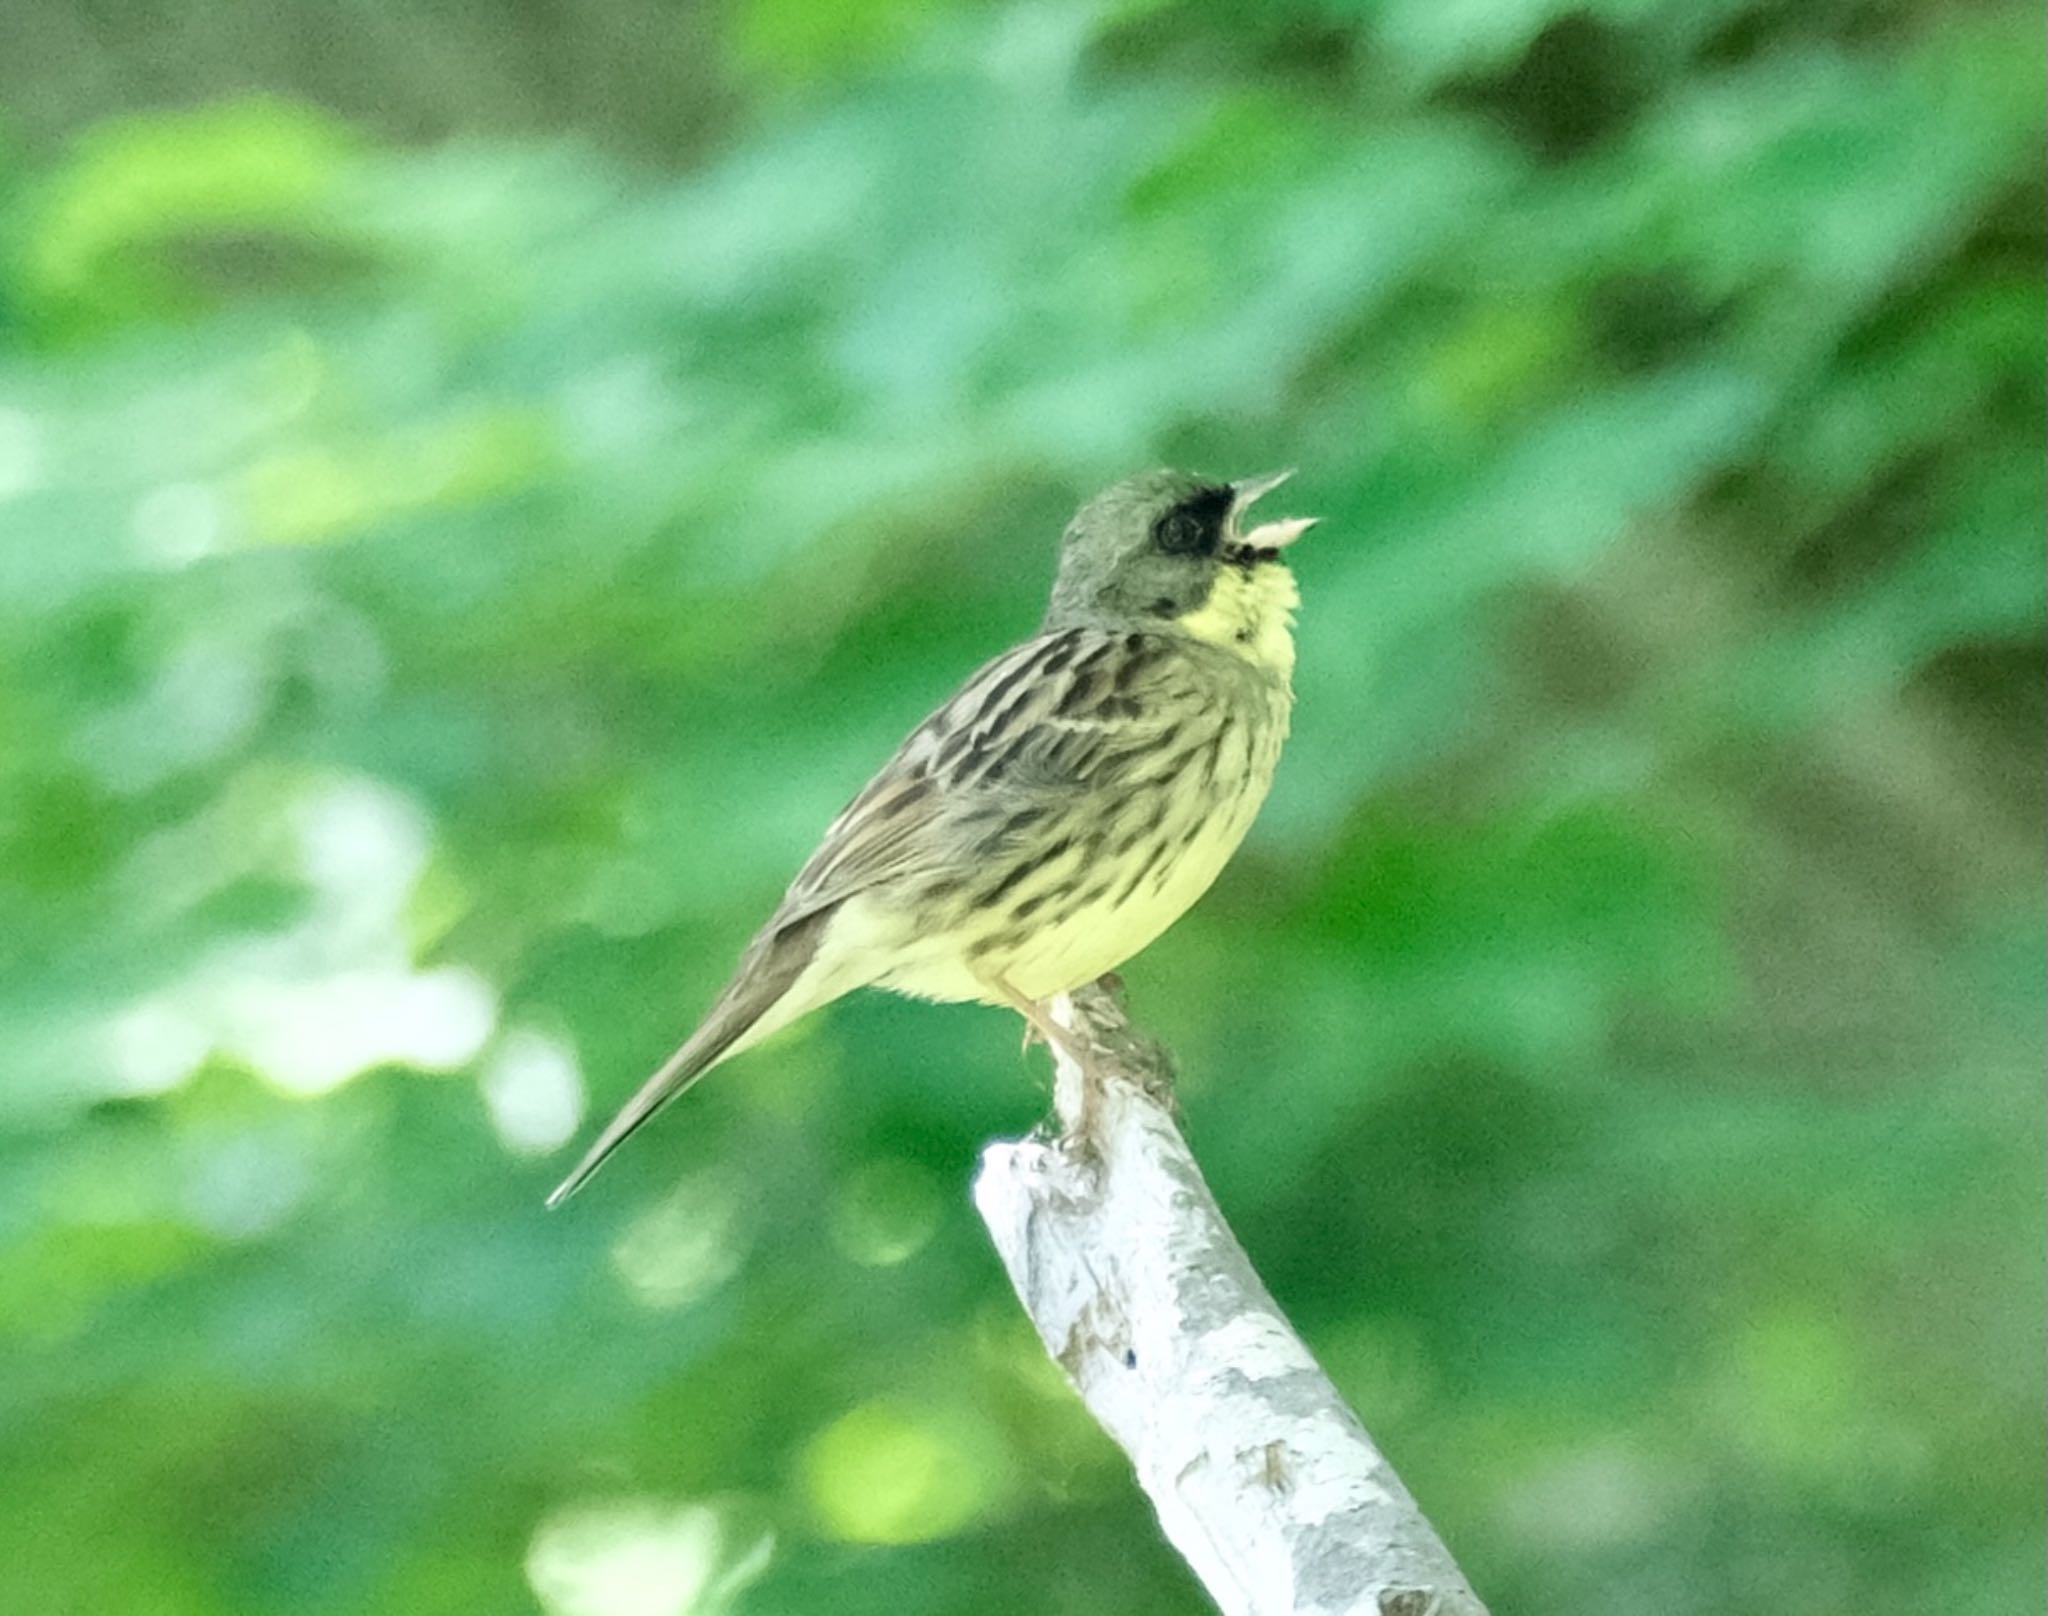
(1250, 613)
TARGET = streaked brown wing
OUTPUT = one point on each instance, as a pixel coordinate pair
(892, 830)
(1046, 723)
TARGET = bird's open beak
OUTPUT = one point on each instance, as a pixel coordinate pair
(1278, 535)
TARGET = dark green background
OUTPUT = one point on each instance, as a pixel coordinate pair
(480, 487)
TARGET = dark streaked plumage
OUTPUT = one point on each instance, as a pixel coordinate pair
(1064, 808)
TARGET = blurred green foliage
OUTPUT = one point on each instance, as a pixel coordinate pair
(445, 587)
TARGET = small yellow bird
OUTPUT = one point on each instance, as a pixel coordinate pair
(1064, 808)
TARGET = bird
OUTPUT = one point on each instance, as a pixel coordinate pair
(1063, 808)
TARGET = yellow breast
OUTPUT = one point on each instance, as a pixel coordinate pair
(1250, 613)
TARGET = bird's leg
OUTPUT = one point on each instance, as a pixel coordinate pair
(1040, 1026)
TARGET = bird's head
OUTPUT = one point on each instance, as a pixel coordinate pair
(1169, 551)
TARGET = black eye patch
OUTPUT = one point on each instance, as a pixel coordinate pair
(1195, 525)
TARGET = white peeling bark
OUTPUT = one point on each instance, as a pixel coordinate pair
(1263, 1478)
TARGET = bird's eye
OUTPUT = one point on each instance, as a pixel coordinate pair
(1181, 532)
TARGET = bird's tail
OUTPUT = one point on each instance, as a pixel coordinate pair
(677, 1073)
(759, 1000)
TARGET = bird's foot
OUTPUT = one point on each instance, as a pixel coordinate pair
(1077, 1098)
(1135, 1057)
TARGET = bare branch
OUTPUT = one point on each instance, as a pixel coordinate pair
(1263, 1478)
